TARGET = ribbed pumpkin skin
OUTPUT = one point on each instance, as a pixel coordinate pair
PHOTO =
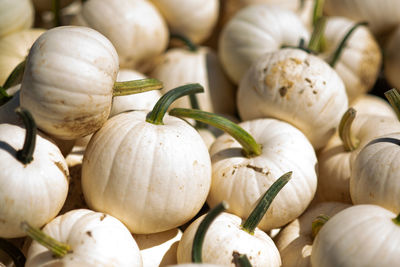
(151, 177)
(241, 181)
(68, 81)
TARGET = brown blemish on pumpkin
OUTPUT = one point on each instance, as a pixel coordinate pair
(103, 216)
(60, 166)
(307, 80)
(89, 233)
(257, 169)
(315, 92)
(283, 91)
(296, 60)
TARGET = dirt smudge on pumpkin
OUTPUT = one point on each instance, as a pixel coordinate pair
(89, 233)
(257, 169)
(283, 90)
(60, 166)
(103, 216)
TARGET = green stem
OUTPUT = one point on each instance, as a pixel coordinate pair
(393, 97)
(195, 105)
(397, 220)
(262, 206)
(240, 260)
(56, 13)
(350, 142)
(342, 44)
(318, 223)
(190, 45)
(25, 155)
(317, 35)
(157, 114)
(250, 147)
(317, 11)
(15, 253)
(58, 249)
(201, 231)
(136, 86)
(16, 75)
(4, 97)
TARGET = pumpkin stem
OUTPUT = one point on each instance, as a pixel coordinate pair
(250, 147)
(201, 231)
(4, 97)
(25, 155)
(393, 97)
(136, 86)
(318, 223)
(195, 105)
(15, 76)
(15, 253)
(317, 36)
(240, 260)
(157, 114)
(56, 13)
(397, 220)
(190, 45)
(302, 3)
(317, 11)
(350, 142)
(342, 44)
(262, 206)
(58, 249)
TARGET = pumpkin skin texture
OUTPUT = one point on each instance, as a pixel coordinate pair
(360, 61)
(68, 81)
(151, 177)
(14, 48)
(294, 241)
(33, 192)
(374, 105)
(224, 236)
(96, 239)
(198, 25)
(180, 66)
(15, 16)
(254, 31)
(296, 87)
(241, 181)
(392, 59)
(375, 173)
(135, 28)
(356, 236)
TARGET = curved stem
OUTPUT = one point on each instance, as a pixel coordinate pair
(393, 97)
(136, 86)
(350, 142)
(56, 13)
(195, 105)
(190, 45)
(25, 155)
(4, 97)
(15, 253)
(397, 220)
(201, 231)
(157, 114)
(317, 35)
(342, 44)
(250, 147)
(262, 206)
(317, 224)
(15, 76)
(58, 249)
(240, 260)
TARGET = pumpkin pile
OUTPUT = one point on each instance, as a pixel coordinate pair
(199, 133)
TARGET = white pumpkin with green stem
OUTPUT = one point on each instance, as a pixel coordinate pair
(336, 159)
(244, 168)
(153, 172)
(297, 87)
(295, 240)
(192, 18)
(362, 235)
(82, 238)
(228, 234)
(69, 81)
(14, 48)
(201, 65)
(34, 178)
(392, 59)
(254, 31)
(135, 28)
(15, 16)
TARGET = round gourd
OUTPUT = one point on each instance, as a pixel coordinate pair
(372, 104)
(254, 31)
(296, 87)
(15, 16)
(135, 28)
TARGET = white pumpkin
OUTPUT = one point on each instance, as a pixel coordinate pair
(14, 48)
(192, 18)
(392, 59)
(31, 191)
(295, 240)
(372, 104)
(135, 28)
(68, 81)
(360, 60)
(241, 180)
(362, 235)
(181, 66)
(254, 31)
(296, 87)
(96, 239)
(15, 16)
